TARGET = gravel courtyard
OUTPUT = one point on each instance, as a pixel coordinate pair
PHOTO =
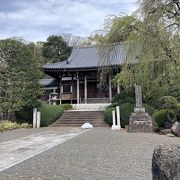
(96, 154)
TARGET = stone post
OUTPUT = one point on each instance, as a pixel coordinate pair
(138, 95)
(38, 119)
(34, 117)
(113, 127)
(118, 118)
(60, 91)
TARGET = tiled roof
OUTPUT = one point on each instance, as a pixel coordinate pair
(90, 57)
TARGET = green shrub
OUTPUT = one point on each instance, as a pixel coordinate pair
(9, 125)
(174, 91)
(124, 97)
(66, 106)
(111, 106)
(149, 109)
(161, 117)
(168, 102)
(164, 117)
(130, 100)
(49, 113)
(126, 109)
(108, 115)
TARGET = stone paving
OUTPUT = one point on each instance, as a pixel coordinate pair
(15, 151)
(96, 154)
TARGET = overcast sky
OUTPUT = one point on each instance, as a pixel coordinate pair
(35, 20)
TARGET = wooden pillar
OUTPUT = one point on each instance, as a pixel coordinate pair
(77, 90)
(85, 89)
(60, 90)
(110, 89)
(118, 88)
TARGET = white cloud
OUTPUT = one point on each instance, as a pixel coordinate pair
(37, 19)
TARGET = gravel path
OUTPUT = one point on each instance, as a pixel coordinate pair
(97, 154)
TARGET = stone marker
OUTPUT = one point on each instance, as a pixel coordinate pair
(118, 118)
(138, 96)
(116, 126)
(38, 123)
(139, 120)
(113, 127)
(34, 117)
(166, 162)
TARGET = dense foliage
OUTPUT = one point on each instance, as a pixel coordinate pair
(55, 49)
(19, 76)
(149, 47)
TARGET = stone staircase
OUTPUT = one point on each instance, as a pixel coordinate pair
(82, 113)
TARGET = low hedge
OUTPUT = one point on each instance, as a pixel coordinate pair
(49, 113)
(165, 118)
(123, 98)
(126, 109)
(108, 115)
(168, 102)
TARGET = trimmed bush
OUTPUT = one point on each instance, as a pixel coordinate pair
(124, 97)
(126, 109)
(130, 100)
(49, 113)
(165, 118)
(66, 106)
(161, 117)
(108, 115)
(168, 102)
(117, 97)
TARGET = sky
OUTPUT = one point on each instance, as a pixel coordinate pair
(35, 20)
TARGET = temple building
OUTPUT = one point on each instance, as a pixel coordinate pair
(77, 79)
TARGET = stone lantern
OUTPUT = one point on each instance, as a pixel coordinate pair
(54, 97)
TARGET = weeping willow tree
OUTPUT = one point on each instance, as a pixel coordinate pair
(150, 48)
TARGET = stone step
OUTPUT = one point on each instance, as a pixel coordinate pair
(91, 107)
(78, 118)
(77, 121)
(77, 125)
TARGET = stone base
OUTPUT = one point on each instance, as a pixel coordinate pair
(115, 127)
(140, 121)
